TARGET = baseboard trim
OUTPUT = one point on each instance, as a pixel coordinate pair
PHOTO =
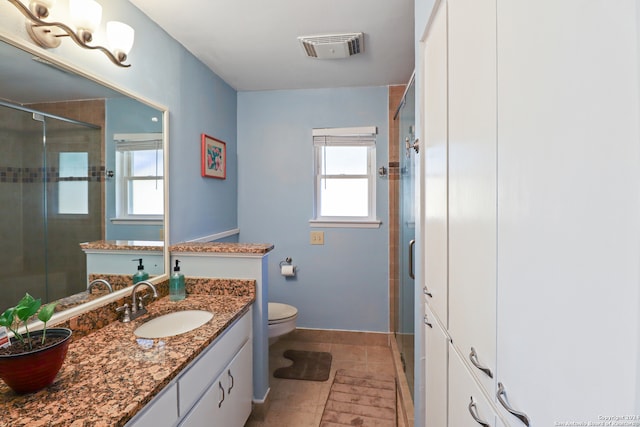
(340, 337)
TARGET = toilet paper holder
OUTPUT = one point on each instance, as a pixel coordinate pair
(286, 268)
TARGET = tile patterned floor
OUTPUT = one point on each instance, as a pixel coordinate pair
(296, 403)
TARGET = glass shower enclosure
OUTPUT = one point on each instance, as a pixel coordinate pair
(50, 201)
(405, 119)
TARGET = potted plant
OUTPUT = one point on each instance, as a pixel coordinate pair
(31, 360)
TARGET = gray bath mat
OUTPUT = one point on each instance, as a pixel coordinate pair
(307, 365)
(361, 399)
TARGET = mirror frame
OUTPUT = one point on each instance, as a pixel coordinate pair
(26, 46)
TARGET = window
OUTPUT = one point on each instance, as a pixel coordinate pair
(139, 172)
(73, 183)
(344, 169)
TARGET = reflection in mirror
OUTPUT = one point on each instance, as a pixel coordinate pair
(79, 162)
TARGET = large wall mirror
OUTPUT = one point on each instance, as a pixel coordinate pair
(80, 161)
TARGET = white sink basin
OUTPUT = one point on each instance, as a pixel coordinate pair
(175, 323)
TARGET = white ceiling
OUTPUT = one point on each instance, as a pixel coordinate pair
(252, 44)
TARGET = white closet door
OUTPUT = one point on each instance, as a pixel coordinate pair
(435, 167)
(569, 209)
(472, 182)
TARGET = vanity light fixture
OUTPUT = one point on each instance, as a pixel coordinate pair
(85, 16)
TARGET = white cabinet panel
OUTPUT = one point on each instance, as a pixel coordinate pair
(472, 181)
(568, 208)
(436, 345)
(468, 406)
(435, 164)
(161, 411)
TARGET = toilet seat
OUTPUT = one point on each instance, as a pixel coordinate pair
(281, 313)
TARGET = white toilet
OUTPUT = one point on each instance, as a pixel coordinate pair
(282, 320)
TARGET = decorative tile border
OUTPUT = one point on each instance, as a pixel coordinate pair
(10, 174)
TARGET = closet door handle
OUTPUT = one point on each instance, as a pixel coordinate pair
(426, 292)
(473, 410)
(232, 381)
(222, 390)
(412, 244)
(501, 394)
(426, 321)
(473, 356)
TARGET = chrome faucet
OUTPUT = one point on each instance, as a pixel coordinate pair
(95, 282)
(137, 306)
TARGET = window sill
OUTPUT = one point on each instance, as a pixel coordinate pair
(137, 221)
(344, 223)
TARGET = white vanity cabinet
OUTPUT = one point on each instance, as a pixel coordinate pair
(542, 113)
(215, 390)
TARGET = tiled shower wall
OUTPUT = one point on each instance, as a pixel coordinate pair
(395, 96)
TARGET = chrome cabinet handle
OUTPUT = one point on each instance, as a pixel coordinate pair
(412, 243)
(501, 394)
(426, 321)
(426, 292)
(221, 389)
(232, 381)
(473, 410)
(473, 356)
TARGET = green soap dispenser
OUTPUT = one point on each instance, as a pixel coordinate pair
(176, 284)
(140, 274)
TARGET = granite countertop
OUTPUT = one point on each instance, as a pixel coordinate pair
(220, 247)
(123, 245)
(107, 378)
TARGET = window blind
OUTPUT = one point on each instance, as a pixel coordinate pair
(362, 136)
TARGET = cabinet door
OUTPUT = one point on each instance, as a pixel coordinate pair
(435, 164)
(198, 376)
(227, 402)
(238, 383)
(436, 348)
(468, 406)
(472, 181)
(211, 409)
(569, 209)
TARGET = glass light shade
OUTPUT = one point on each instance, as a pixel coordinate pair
(85, 14)
(46, 3)
(119, 37)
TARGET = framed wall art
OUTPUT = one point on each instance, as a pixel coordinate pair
(214, 157)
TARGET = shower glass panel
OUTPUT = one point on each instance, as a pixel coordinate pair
(405, 298)
(50, 201)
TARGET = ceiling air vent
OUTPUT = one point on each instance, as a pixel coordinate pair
(332, 46)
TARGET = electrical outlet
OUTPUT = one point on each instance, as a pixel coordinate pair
(317, 237)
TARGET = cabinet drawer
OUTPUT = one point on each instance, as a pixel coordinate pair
(436, 351)
(468, 406)
(210, 364)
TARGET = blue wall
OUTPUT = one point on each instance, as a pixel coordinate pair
(164, 72)
(343, 284)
